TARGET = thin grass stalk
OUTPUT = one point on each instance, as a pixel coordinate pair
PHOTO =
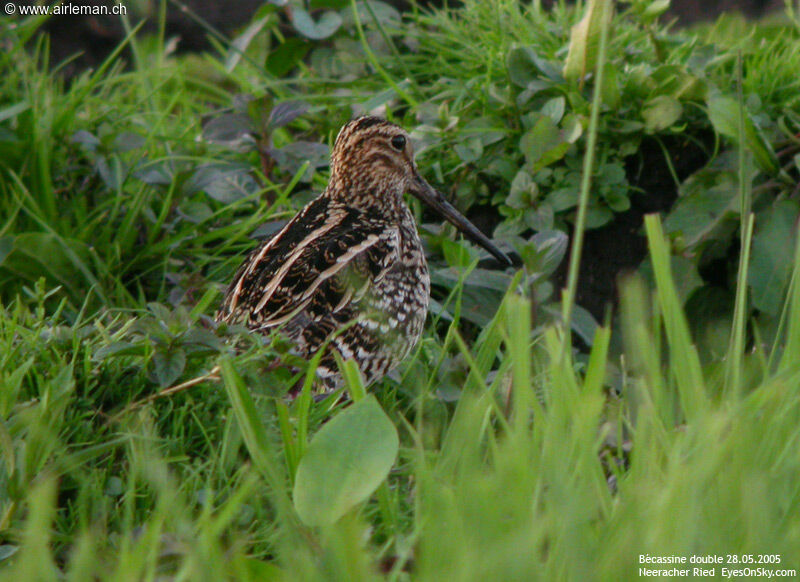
(258, 443)
(733, 368)
(644, 354)
(455, 296)
(734, 359)
(290, 454)
(518, 329)
(568, 298)
(36, 561)
(792, 312)
(373, 60)
(215, 34)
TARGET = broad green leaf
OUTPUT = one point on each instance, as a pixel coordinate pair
(562, 199)
(724, 115)
(660, 113)
(584, 39)
(597, 216)
(112, 171)
(128, 141)
(241, 42)
(229, 128)
(706, 199)
(617, 200)
(540, 218)
(554, 108)
(168, 366)
(572, 128)
(523, 192)
(486, 129)
(709, 310)
(114, 487)
(655, 8)
(770, 269)
(258, 110)
(584, 324)
(345, 462)
(286, 112)
(286, 55)
(482, 278)
(544, 251)
(225, 183)
(294, 156)
(327, 24)
(457, 254)
(86, 140)
(543, 144)
(677, 81)
(528, 70)
(370, 11)
(469, 150)
(160, 172)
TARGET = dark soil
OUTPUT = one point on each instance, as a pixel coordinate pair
(93, 38)
(620, 246)
(687, 11)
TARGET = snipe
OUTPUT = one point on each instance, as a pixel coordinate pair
(349, 268)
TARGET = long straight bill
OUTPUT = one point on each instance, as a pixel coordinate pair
(435, 200)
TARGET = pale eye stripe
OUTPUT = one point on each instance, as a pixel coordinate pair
(269, 291)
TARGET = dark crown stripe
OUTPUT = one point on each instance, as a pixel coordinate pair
(367, 122)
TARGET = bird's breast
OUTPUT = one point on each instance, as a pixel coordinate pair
(402, 293)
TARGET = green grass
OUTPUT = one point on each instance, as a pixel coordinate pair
(520, 457)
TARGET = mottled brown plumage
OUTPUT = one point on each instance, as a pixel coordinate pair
(349, 267)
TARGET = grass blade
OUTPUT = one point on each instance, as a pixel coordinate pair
(257, 440)
(684, 360)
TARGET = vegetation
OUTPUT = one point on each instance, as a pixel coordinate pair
(140, 441)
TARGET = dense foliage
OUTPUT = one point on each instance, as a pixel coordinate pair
(139, 441)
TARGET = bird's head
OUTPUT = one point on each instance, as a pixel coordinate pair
(372, 163)
(372, 166)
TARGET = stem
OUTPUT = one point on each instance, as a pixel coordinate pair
(374, 61)
(568, 298)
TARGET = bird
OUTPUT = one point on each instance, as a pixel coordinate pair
(348, 273)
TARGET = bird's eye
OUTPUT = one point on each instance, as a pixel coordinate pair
(399, 142)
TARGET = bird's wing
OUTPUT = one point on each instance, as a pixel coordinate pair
(320, 263)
